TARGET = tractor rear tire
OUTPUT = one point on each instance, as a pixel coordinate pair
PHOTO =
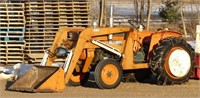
(108, 74)
(172, 61)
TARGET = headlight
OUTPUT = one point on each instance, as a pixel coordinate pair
(61, 52)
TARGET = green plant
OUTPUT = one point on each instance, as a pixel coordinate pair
(170, 12)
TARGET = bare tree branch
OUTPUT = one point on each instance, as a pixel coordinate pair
(149, 13)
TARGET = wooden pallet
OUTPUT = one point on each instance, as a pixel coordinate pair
(11, 34)
(10, 6)
(12, 13)
(12, 22)
(74, 14)
(12, 38)
(11, 53)
(12, 29)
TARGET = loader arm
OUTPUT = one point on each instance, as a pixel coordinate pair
(60, 37)
(86, 36)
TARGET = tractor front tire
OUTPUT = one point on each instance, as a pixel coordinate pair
(172, 61)
(108, 74)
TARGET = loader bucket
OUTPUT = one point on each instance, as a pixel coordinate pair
(40, 79)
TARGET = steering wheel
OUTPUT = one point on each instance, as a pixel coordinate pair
(133, 23)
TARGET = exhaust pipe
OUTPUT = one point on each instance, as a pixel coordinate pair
(111, 15)
(110, 36)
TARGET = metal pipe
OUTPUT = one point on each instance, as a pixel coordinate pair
(111, 15)
(102, 10)
(67, 61)
(44, 59)
(110, 36)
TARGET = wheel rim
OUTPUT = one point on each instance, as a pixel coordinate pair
(178, 62)
(110, 74)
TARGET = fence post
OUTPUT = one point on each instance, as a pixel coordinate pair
(197, 46)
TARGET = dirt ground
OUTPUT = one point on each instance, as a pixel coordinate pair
(124, 90)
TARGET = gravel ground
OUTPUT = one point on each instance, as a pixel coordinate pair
(125, 90)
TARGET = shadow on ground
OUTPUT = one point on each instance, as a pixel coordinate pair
(139, 76)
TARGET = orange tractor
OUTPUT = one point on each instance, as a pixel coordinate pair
(110, 52)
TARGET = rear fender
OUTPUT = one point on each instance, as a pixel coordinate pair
(158, 36)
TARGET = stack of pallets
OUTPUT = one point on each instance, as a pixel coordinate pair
(12, 29)
(74, 14)
(44, 18)
(35, 33)
(42, 24)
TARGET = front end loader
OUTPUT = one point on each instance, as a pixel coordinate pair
(109, 52)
